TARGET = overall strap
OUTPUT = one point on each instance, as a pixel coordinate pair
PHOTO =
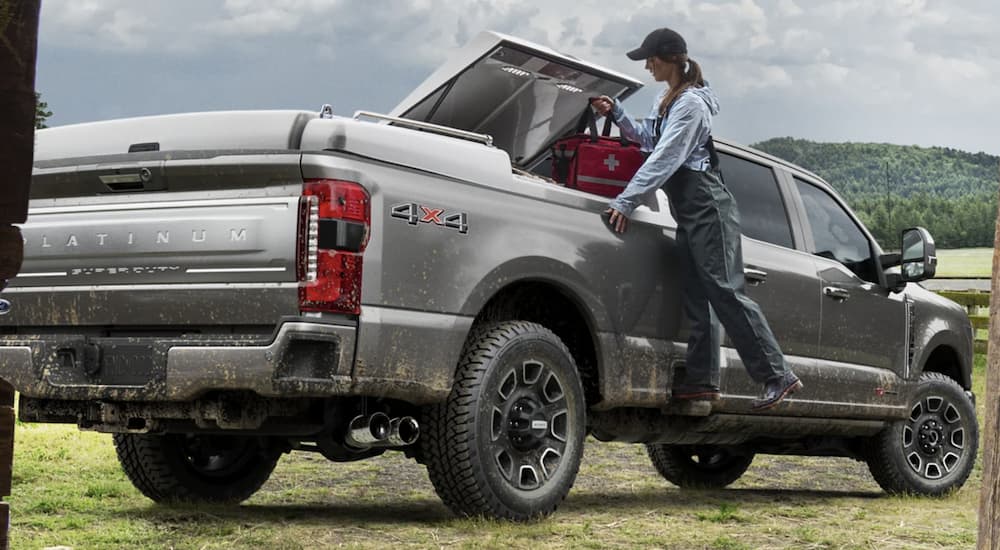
(713, 156)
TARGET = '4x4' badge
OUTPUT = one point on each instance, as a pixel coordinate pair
(415, 213)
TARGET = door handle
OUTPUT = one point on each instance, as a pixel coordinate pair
(836, 293)
(755, 276)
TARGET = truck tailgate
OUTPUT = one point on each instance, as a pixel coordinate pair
(210, 241)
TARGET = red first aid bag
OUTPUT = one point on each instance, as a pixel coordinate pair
(597, 164)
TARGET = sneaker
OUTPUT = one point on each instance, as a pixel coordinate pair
(777, 390)
(697, 392)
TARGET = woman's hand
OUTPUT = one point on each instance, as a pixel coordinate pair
(602, 104)
(617, 220)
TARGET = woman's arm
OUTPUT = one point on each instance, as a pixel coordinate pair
(679, 140)
(629, 128)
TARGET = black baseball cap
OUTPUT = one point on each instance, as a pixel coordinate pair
(659, 42)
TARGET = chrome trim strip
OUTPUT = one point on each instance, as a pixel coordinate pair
(175, 286)
(41, 274)
(235, 270)
(277, 201)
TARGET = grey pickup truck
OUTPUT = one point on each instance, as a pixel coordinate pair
(217, 289)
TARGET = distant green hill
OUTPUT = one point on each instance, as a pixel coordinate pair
(952, 193)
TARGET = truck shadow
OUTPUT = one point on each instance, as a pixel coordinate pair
(430, 511)
(673, 499)
(417, 511)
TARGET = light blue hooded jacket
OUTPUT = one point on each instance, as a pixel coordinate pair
(682, 143)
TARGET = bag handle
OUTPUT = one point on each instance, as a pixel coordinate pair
(606, 132)
(589, 122)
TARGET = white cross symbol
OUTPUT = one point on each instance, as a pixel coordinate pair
(611, 162)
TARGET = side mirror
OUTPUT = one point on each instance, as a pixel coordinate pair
(918, 255)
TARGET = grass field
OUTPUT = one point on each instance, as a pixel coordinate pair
(68, 490)
(965, 262)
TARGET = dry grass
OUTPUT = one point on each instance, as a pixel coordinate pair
(70, 491)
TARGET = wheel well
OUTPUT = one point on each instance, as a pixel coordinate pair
(944, 360)
(552, 307)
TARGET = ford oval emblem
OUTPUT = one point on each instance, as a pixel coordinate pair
(4, 307)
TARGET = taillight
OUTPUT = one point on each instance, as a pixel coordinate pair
(334, 221)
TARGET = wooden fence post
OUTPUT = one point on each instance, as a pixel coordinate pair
(18, 50)
(989, 503)
(6, 456)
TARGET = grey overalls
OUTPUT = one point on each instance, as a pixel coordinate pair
(708, 235)
(711, 258)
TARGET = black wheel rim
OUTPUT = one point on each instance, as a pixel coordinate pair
(934, 437)
(529, 421)
(216, 456)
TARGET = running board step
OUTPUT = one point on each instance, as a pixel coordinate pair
(688, 408)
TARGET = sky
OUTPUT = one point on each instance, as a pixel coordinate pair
(911, 72)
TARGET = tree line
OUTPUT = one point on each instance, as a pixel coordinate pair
(891, 187)
(42, 112)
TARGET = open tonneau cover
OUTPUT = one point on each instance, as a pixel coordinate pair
(524, 95)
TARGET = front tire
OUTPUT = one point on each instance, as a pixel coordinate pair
(508, 441)
(195, 468)
(931, 452)
(698, 466)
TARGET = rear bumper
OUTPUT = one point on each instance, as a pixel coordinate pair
(303, 358)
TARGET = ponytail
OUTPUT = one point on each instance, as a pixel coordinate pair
(693, 74)
(691, 77)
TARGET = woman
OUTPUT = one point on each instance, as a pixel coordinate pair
(677, 136)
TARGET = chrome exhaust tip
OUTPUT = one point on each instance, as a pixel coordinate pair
(366, 431)
(403, 431)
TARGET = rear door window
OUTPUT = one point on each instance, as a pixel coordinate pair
(762, 211)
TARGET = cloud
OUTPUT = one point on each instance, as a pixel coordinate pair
(889, 62)
(788, 8)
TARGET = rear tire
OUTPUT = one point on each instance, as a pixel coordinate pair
(508, 441)
(698, 466)
(933, 451)
(179, 467)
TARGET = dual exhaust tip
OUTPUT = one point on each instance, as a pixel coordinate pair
(378, 430)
